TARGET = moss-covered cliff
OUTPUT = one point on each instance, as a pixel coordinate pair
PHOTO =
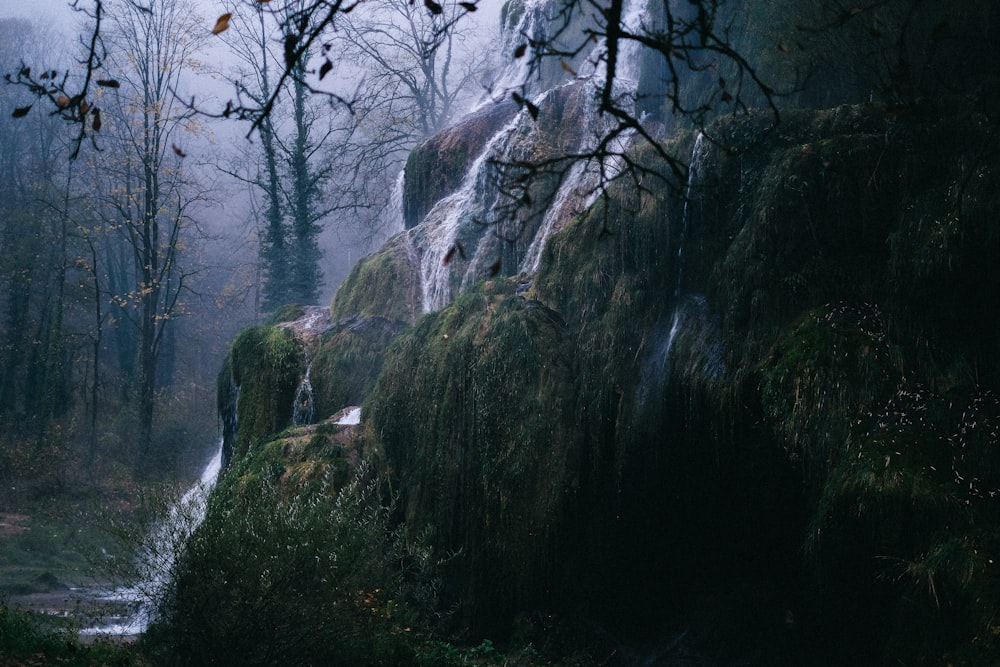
(764, 415)
(834, 271)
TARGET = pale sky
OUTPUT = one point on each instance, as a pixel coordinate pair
(60, 12)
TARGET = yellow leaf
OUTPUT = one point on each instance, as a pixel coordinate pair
(222, 24)
(566, 67)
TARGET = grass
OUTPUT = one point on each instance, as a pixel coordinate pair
(28, 638)
(49, 545)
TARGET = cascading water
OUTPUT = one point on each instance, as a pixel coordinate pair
(695, 168)
(470, 204)
(304, 408)
(158, 554)
(583, 183)
(686, 310)
(465, 214)
(395, 221)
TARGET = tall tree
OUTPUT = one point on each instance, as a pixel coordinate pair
(289, 167)
(34, 369)
(145, 197)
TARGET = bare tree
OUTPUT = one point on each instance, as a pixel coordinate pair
(143, 194)
(289, 167)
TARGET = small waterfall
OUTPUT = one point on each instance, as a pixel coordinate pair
(304, 407)
(158, 555)
(350, 417)
(689, 312)
(395, 220)
(690, 194)
(579, 189)
(471, 204)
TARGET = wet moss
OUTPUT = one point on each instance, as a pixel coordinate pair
(691, 390)
(472, 410)
(257, 386)
(385, 285)
(349, 360)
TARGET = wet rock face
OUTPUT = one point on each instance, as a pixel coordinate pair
(313, 322)
(652, 415)
(436, 167)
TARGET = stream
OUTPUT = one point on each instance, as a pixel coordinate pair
(130, 609)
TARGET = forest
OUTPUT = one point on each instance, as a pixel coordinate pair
(671, 327)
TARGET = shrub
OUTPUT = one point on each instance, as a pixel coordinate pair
(297, 572)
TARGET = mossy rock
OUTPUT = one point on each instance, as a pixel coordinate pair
(256, 387)
(384, 285)
(436, 167)
(348, 361)
(472, 411)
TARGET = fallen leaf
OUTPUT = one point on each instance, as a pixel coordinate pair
(21, 111)
(222, 24)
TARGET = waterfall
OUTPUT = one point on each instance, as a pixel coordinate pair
(395, 220)
(451, 236)
(689, 312)
(437, 234)
(690, 193)
(158, 555)
(304, 408)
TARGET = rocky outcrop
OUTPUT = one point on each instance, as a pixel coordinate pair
(791, 350)
(436, 167)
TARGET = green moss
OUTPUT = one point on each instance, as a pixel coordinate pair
(473, 413)
(654, 421)
(827, 369)
(348, 362)
(259, 379)
(385, 284)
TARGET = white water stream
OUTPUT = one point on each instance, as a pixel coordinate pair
(159, 553)
(474, 206)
